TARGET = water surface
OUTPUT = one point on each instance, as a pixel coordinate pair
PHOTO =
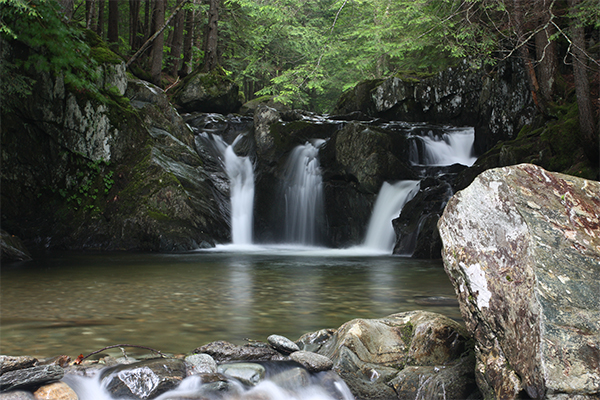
(72, 303)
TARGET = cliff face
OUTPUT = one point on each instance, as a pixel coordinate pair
(497, 103)
(80, 173)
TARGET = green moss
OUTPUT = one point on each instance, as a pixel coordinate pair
(103, 55)
(407, 333)
(157, 215)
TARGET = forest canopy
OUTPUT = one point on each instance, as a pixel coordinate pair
(303, 53)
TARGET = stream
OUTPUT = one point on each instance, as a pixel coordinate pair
(72, 303)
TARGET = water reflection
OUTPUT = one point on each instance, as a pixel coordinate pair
(76, 303)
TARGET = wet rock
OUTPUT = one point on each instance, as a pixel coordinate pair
(11, 363)
(222, 351)
(291, 378)
(55, 391)
(200, 364)
(367, 354)
(366, 154)
(29, 377)
(282, 344)
(416, 227)
(249, 374)
(12, 249)
(145, 379)
(17, 395)
(312, 361)
(522, 249)
(208, 92)
(264, 117)
(460, 95)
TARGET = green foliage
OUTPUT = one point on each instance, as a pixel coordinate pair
(52, 46)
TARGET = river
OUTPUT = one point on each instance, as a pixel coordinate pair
(71, 303)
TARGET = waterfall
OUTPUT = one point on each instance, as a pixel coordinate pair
(240, 172)
(303, 194)
(390, 200)
(453, 146)
(241, 188)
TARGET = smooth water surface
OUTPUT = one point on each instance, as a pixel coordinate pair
(70, 303)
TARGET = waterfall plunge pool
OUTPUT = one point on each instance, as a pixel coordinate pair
(72, 303)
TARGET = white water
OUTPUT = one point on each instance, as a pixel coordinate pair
(453, 147)
(241, 191)
(390, 201)
(241, 187)
(303, 194)
(192, 387)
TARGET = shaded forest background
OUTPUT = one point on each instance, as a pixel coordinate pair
(306, 53)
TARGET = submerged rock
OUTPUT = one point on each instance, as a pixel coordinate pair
(522, 248)
(144, 379)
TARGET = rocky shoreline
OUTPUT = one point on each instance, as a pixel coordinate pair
(393, 357)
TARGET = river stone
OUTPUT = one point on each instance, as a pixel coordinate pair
(264, 117)
(312, 361)
(144, 380)
(222, 351)
(17, 395)
(250, 374)
(369, 353)
(522, 249)
(55, 391)
(200, 364)
(30, 376)
(282, 344)
(291, 378)
(208, 92)
(10, 363)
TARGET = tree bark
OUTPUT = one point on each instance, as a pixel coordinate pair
(211, 39)
(90, 14)
(158, 33)
(589, 135)
(156, 55)
(188, 43)
(101, 19)
(177, 43)
(524, 50)
(546, 51)
(113, 21)
(66, 7)
(134, 21)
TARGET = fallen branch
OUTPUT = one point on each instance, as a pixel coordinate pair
(153, 37)
(82, 357)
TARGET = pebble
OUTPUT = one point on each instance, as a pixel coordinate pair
(312, 361)
(282, 344)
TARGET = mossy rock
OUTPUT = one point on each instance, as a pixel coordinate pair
(208, 92)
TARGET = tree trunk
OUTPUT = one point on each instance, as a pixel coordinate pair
(210, 43)
(589, 135)
(101, 18)
(177, 43)
(113, 21)
(524, 50)
(90, 14)
(134, 21)
(66, 7)
(188, 43)
(546, 51)
(156, 55)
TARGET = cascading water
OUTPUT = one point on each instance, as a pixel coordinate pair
(452, 146)
(390, 201)
(303, 194)
(240, 172)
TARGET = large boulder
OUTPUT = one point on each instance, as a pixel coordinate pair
(398, 356)
(208, 92)
(522, 249)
